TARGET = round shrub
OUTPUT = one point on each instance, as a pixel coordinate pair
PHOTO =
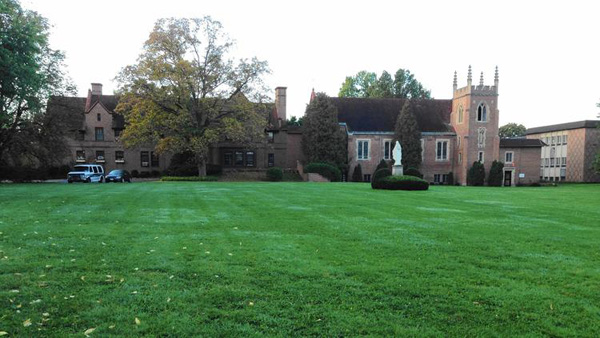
(274, 174)
(411, 171)
(404, 182)
(326, 170)
(378, 176)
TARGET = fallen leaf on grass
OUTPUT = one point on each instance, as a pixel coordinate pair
(112, 326)
(46, 314)
(168, 300)
(137, 321)
(89, 331)
(27, 323)
(251, 303)
(3, 333)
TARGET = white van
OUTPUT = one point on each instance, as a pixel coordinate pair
(86, 173)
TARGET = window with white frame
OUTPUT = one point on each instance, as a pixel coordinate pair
(482, 112)
(480, 156)
(362, 149)
(508, 157)
(387, 149)
(459, 157)
(564, 139)
(441, 150)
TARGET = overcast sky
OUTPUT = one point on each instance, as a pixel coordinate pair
(547, 51)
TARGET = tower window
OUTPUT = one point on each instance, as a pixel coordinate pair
(480, 157)
(482, 113)
(460, 114)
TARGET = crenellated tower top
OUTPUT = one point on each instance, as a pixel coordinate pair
(480, 90)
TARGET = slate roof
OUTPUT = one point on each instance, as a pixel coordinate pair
(379, 115)
(563, 126)
(520, 142)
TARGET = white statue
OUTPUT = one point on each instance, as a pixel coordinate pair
(397, 154)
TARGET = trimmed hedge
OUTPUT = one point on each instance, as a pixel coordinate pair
(476, 174)
(357, 175)
(402, 183)
(189, 179)
(412, 171)
(274, 174)
(382, 165)
(378, 176)
(326, 170)
(496, 174)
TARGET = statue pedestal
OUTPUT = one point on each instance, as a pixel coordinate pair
(397, 170)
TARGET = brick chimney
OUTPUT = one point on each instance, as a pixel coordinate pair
(97, 89)
(280, 103)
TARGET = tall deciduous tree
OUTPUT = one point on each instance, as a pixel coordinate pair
(407, 132)
(366, 84)
(363, 84)
(511, 130)
(187, 94)
(322, 138)
(597, 160)
(30, 72)
(407, 87)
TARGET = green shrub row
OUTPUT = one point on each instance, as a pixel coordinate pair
(402, 183)
(189, 179)
(274, 174)
(326, 170)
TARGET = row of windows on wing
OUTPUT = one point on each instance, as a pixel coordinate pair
(555, 140)
(244, 158)
(554, 162)
(482, 113)
(147, 158)
(362, 150)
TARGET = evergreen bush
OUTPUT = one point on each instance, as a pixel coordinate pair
(412, 171)
(357, 175)
(382, 165)
(450, 178)
(476, 174)
(378, 176)
(274, 174)
(326, 170)
(495, 177)
(404, 182)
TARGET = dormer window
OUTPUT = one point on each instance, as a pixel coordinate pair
(482, 113)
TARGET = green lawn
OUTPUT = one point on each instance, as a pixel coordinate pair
(253, 259)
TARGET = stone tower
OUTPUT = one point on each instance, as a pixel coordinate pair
(475, 120)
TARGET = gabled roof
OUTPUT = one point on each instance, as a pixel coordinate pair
(520, 142)
(379, 115)
(75, 107)
(563, 126)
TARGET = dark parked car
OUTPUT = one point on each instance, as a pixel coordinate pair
(118, 175)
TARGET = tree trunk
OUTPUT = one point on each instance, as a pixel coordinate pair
(201, 165)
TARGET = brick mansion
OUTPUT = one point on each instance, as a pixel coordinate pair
(454, 133)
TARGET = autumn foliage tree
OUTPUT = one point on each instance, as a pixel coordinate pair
(407, 132)
(186, 94)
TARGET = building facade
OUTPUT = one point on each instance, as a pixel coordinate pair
(96, 129)
(569, 151)
(454, 134)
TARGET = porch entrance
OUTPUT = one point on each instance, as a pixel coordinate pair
(508, 178)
